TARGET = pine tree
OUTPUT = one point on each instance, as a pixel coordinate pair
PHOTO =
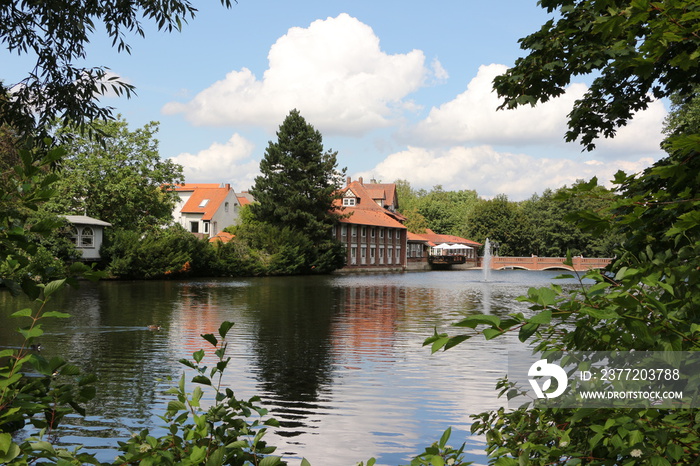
(295, 195)
(299, 181)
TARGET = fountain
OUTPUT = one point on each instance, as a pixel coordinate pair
(486, 263)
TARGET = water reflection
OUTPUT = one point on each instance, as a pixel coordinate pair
(338, 360)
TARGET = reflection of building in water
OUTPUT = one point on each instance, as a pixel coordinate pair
(370, 321)
(196, 312)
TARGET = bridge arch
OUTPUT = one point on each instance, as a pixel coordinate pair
(580, 264)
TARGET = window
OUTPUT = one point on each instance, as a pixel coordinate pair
(204, 203)
(398, 234)
(373, 232)
(364, 232)
(87, 238)
(354, 231)
(74, 236)
(344, 230)
(206, 227)
(194, 227)
(226, 207)
(349, 201)
(381, 232)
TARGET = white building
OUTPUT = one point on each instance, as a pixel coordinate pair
(87, 234)
(206, 208)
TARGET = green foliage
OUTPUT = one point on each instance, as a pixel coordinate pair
(504, 223)
(636, 50)
(219, 434)
(299, 181)
(55, 35)
(285, 251)
(553, 217)
(42, 400)
(444, 212)
(168, 253)
(119, 179)
(647, 301)
(291, 222)
(441, 454)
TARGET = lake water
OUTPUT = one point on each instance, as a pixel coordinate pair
(338, 360)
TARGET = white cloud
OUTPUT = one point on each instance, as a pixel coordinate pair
(489, 172)
(333, 72)
(472, 117)
(226, 163)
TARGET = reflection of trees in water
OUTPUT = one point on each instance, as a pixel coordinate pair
(107, 335)
(292, 345)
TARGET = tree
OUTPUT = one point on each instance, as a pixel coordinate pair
(637, 50)
(298, 187)
(120, 179)
(299, 181)
(648, 298)
(503, 222)
(55, 34)
(554, 235)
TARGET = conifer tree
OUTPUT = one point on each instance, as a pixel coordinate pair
(299, 181)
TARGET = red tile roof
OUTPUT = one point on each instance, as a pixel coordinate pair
(221, 236)
(367, 211)
(214, 194)
(369, 217)
(451, 239)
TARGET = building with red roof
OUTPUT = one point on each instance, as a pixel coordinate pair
(375, 237)
(371, 229)
(206, 208)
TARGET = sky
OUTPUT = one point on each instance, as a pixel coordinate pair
(400, 89)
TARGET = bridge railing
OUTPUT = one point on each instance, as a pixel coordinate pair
(540, 263)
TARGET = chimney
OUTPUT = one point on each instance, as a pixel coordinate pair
(348, 181)
(360, 181)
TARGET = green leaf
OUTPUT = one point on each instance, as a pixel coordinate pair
(53, 287)
(438, 344)
(658, 461)
(210, 338)
(543, 317)
(57, 314)
(224, 328)
(304, 462)
(480, 319)
(201, 379)
(216, 458)
(33, 332)
(491, 333)
(445, 437)
(527, 330)
(270, 461)
(198, 355)
(26, 312)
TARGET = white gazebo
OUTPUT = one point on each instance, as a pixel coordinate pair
(87, 235)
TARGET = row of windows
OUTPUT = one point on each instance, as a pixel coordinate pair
(372, 231)
(393, 256)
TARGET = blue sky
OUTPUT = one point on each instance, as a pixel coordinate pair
(400, 89)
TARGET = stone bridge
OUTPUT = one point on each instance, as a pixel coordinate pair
(581, 264)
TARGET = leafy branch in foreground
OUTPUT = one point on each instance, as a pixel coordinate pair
(214, 435)
(42, 400)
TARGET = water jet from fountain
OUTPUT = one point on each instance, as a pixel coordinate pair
(486, 263)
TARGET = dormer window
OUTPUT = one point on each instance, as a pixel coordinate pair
(349, 198)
